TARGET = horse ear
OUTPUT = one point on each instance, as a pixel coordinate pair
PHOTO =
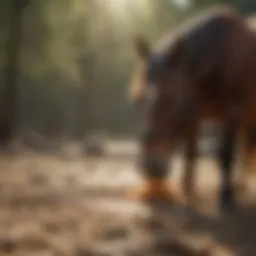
(142, 46)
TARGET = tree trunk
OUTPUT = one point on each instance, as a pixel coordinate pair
(86, 65)
(10, 88)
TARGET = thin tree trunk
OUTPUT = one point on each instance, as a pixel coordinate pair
(83, 103)
(10, 88)
(86, 64)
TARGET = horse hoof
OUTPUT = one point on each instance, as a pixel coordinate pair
(228, 207)
(227, 211)
(227, 200)
(155, 190)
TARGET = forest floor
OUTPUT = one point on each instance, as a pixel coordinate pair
(77, 206)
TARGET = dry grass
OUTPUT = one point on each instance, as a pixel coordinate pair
(45, 210)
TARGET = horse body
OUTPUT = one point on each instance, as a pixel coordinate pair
(203, 71)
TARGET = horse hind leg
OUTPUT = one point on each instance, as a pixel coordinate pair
(251, 148)
(226, 157)
(247, 158)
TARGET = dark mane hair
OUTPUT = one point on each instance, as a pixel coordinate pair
(216, 11)
(200, 37)
(197, 39)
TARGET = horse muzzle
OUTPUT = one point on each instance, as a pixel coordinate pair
(154, 167)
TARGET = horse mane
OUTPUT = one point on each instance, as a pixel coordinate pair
(179, 32)
(169, 41)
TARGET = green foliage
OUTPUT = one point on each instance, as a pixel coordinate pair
(77, 57)
(49, 28)
(245, 6)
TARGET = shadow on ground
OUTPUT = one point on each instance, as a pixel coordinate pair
(200, 233)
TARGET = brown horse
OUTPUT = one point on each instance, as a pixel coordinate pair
(204, 70)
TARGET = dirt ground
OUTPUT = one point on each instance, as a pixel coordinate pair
(50, 205)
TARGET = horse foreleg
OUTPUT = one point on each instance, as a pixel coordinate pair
(189, 168)
(226, 156)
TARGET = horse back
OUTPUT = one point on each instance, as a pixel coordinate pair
(220, 61)
(228, 59)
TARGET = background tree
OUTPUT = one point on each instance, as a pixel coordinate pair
(65, 64)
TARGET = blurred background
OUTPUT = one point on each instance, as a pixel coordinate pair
(66, 64)
(65, 117)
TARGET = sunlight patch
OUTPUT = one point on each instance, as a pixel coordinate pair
(181, 3)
